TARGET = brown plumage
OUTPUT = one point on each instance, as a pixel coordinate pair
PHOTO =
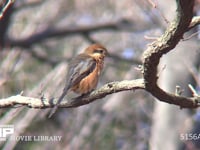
(84, 71)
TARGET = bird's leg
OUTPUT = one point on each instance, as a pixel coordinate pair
(81, 96)
(78, 99)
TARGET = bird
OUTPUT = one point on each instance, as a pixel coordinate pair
(84, 71)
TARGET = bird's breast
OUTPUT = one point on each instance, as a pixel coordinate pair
(90, 82)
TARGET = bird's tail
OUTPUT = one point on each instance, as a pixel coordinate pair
(58, 102)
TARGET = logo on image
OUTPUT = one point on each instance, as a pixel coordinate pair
(5, 131)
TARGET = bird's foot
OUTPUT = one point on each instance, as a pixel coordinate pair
(80, 97)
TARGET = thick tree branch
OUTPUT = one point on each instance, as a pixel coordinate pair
(41, 103)
(163, 45)
(195, 21)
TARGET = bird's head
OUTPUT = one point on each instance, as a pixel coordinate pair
(97, 51)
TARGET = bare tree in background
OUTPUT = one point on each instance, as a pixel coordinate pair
(38, 38)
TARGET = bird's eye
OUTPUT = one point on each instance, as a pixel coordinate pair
(101, 51)
(98, 51)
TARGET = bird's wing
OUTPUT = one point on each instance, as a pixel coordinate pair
(80, 67)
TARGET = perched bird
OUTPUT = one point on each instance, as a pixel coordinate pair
(84, 71)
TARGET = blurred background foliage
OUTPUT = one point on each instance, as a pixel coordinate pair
(34, 60)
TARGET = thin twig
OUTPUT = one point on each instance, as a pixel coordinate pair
(7, 5)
